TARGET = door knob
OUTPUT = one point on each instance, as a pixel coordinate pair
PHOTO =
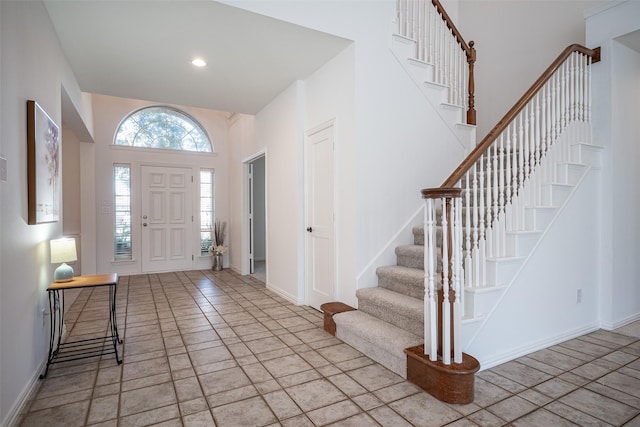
(309, 229)
(144, 224)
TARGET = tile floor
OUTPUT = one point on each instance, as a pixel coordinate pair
(218, 349)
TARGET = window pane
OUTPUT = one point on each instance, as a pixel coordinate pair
(122, 212)
(206, 210)
(163, 127)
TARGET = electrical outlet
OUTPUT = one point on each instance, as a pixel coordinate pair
(579, 295)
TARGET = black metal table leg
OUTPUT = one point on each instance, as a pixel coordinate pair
(113, 323)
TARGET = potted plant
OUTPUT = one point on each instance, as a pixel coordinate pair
(217, 248)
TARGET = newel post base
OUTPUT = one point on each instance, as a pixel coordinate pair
(449, 383)
(329, 309)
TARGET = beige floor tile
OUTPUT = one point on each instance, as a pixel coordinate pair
(152, 417)
(69, 415)
(198, 419)
(148, 398)
(542, 417)
(387, 417)
(337, 411)
(250, 412)
(225, 380)
(414, 408)
(103, 409)
(282, 405)
(574, 415)
(600, 407)
(512, 408)
(287, 365)
(374, 377)
(315, 394)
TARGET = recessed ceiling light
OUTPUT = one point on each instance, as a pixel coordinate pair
(199, 62)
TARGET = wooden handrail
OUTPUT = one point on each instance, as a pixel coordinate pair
(452, 27)
(437, 193)
(515, 110)
(470, 52)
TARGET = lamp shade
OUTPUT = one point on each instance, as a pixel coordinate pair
(63, 250)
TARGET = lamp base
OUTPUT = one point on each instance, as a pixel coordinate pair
(64, 273)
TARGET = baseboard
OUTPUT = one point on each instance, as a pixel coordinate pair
(540, 345)
(610, 326)
(291, 298)
(13, 416)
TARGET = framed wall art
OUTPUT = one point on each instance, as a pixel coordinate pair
(43, 166)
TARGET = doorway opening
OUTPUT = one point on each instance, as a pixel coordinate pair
(257, 218)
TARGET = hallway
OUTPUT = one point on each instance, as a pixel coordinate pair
(205, 348)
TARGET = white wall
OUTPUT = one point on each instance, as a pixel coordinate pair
(616, 94)
(540, 307)
(278, 128)
(243, 146)
(33, 67)
(515, 42)
(330, 95)
(110, 111)
(390, 141)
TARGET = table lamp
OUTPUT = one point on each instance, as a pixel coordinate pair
(63, 250)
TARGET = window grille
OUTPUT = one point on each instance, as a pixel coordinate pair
(164, 128)
(122, 212)
(206, 210)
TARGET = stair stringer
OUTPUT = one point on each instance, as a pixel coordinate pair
(477, 332)
(386, 256)
(421, 73)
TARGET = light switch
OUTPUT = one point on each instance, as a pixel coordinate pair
(3, 169)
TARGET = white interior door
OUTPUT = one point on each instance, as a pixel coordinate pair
(320, 251)
(167, 219)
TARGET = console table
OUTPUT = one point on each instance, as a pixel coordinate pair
(81, 349)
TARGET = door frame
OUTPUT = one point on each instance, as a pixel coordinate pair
(328, 124)
(246, 236)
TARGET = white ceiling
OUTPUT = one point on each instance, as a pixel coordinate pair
(143, 50)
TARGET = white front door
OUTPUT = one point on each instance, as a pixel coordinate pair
(320, 252)
(167, 219)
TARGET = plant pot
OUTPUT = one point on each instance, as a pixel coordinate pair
(217, 262)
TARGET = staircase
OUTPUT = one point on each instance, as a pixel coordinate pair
(390, 317)
(496, 208)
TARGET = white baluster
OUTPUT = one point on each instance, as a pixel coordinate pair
(430, 300)
(468, 268)
(458, 294)
(475, 206)
(446, 308)
(481, 220)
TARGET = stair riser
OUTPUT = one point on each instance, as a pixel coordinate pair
(520, 244)
(555, 194)
(569, 173)
(480, 302)
(500, 272)
(414, 290)
(586, 154)
(404, 319)
(538, 218)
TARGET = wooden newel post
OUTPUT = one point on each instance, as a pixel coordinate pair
(471, 60)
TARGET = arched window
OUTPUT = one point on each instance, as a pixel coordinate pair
(162, 127)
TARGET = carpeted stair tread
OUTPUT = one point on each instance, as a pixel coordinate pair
(400, 310)
(404, 280)
(379, 340)
(410, 256)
